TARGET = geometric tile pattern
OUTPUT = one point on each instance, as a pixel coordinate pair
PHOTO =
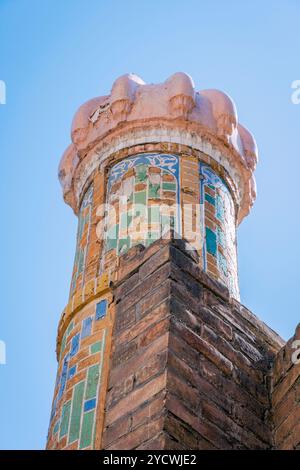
(218, 215)
(73, 415)
(142, 202)
(83, 232)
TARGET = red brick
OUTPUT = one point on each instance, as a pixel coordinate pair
(118, 429)
(141, 434)
(153, 367)
(148, 411)
(119, 390)
(136, 398)
(200, 345)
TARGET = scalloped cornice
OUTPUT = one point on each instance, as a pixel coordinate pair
(173, 111)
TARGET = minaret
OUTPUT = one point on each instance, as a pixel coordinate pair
(154, 349)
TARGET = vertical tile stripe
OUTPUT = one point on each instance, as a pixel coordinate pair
(76, 412)
(87, 429)
(92, 382)
(65, 417)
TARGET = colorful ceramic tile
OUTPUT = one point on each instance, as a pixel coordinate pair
(89, 404)
(144, 178)
(86, 327)
(84, 222)
(76, 412)
(87, 430)
(221, 240)
(74, 345)
(65, 418)
(101, 309)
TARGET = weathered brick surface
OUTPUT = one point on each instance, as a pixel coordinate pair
(286, 396)
(190, 367)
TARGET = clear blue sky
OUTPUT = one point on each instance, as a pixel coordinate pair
(54, 55)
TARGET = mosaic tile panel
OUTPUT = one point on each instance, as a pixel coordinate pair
(218, 218)
(142, 196)
(73, 415)
(84, 223)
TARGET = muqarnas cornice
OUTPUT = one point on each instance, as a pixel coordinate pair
(173, 111)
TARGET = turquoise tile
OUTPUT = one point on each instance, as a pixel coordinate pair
(210, 199)
(96, 347)
(211, 241)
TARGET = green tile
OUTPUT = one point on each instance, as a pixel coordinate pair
(169, 186)
(112, 237)
(125, 221)
(140, 197)
(80, 261)
(92, 382)
(153, 215)
(65, 417)
(124, 245)
(63, 344)
(96, 347)
(76, 412)
(87, 429)
(141, 173)
(211, 241)
(153, 191)
(70, 328)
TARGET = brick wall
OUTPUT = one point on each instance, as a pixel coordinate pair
(190, 367)
(286, 397)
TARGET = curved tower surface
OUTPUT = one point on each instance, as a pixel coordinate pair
(153, 346)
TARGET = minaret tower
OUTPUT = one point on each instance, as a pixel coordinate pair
(154, 349)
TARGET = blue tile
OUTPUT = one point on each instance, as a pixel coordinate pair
(74, 345)
(101, 308)
(86, 327)
(63, 377)
(72, 372)
(90, 404)
(53, 410)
